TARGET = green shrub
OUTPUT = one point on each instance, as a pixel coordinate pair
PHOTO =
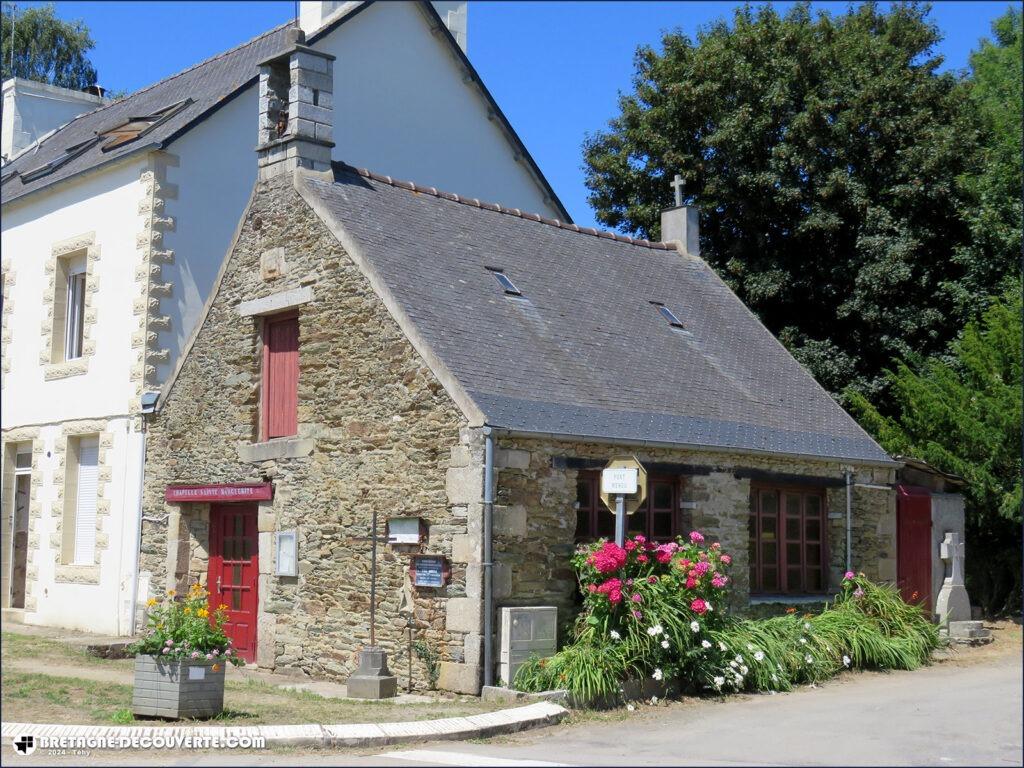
(648, 612)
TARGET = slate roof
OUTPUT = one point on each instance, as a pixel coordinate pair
(583, 352)
(209, 85)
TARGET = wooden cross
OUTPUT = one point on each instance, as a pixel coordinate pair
(678, 186)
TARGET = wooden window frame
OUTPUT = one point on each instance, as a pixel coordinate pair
(265, 400)
(590, 530)
(782, 566)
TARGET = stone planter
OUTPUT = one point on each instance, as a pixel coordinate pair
(178, 688)
(632, 690)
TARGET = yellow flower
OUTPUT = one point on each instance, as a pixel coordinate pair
(222, 607)
(151, 602)
(172, 592)
(202, 613)
(188, 611)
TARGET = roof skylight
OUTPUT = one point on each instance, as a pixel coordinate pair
(669, 315)
(505, 281)
(134, 127)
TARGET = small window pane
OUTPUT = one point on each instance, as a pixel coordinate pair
(812, 505)
(793, 553)
(236, 574)
(812, 529)
(769, 553)
(768, 528)
(814, 579)
(23, 461)
(605, 523)
(813, 554)
(769, 580)
(769, 503)
(661, 526)
(793, 580)
(793, 528)
(792, 504)
(583, 493)
(236, 599)
(662, 496)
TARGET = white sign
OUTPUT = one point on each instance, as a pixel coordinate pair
(404, 530)
(197, 673)
(619, 480)
(287, 553)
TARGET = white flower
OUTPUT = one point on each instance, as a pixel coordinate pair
(846, 661)
(775, 678)
(803, 641)
(759, 656)
(733, 664)
(630, 707)
(658, 675)
(708, 606)
(750, 647)
(743, 670)
(664, 643)
(721, 646)
(809, 659)
(615, 635)
(655, 630)
(719, 682)
(694, 626)
(654, 699)
(705, 644)
(807, 625)
(739, 658)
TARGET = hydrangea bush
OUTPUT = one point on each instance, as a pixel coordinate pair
(660, 611)
(185, 629)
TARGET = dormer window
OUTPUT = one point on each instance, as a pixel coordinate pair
(134, 127)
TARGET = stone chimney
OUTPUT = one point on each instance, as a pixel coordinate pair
(296, 109)
(681, 223)
(316, 14)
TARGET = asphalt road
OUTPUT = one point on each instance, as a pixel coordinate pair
(940, 715)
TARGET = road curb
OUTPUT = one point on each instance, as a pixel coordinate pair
(313, 735)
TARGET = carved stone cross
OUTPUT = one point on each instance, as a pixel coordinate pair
(678, 186)
(952, 549)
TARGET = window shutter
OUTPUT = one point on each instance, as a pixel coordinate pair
(281, 377)
(85, 509)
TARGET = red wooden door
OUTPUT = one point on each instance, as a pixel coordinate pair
(280, 375)
(914, 544)
(234, 571)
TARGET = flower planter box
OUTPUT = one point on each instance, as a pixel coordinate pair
(632, 690)
(178, 688)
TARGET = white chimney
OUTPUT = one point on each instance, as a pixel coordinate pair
(314, 14)
(681, 223)
(31, 110)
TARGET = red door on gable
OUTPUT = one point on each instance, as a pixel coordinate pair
(914, 544)
(234, 572)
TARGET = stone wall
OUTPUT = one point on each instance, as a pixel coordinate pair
(376, 432)
(535, 518)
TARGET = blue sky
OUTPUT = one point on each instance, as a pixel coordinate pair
(554, 67)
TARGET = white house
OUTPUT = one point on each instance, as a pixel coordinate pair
(114, 228)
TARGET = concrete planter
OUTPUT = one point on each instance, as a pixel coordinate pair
(178, 688)
(632, 690)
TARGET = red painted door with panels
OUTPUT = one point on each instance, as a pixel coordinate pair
(234, 572)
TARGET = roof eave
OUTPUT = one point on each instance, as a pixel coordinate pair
(602, 439)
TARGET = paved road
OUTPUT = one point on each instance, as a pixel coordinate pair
(941, 715)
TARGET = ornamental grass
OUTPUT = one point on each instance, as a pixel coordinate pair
(659, 612)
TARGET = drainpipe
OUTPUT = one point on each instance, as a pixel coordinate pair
(487, 564)
(849, 518)
(138, 536)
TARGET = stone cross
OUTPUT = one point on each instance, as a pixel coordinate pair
(953, 604)
(678, 186)
(952, 549)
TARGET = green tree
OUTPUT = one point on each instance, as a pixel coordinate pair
(823, 152)
(46, 48)
(962, 414)
(995, 189)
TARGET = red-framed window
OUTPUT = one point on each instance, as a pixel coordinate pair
(657, 519)
(787, 540)
(280, 376)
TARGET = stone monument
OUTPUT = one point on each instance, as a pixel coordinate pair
(953, 607)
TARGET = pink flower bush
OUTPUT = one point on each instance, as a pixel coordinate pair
(848, 576)
(696, 537)
(718, 581)
(726, 559)
(698, 606)
(610, 557)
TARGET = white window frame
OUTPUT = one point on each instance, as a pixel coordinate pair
(19, 451)
(74, 322)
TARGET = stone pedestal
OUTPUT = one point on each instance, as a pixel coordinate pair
(373, 679)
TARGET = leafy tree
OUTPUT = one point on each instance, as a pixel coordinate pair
(46, 48)
(995, 190)
(962, 414)
(824, 153)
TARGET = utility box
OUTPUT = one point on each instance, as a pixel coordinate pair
(525, 632)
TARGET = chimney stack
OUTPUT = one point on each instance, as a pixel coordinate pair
(681, 224)
(296, 109)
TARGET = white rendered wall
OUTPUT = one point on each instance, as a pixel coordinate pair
(32, 109)
(106, 204)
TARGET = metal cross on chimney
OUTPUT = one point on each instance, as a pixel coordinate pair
(678, 186)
